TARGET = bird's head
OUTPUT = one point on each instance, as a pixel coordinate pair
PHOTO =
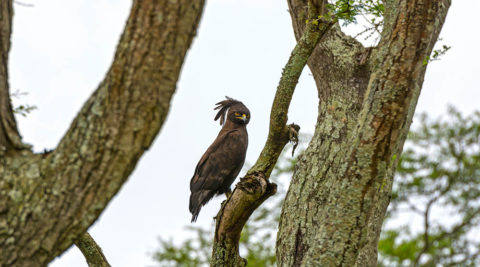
(240, 114)
(234, 110)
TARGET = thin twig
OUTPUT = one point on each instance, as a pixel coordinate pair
(23, 4)
(426, 235)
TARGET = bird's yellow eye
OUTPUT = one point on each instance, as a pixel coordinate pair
(237, 114)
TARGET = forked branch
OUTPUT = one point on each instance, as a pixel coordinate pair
(63, 192)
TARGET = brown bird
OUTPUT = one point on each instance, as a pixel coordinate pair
(223, 160)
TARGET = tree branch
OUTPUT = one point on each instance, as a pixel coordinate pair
(255, 188)
(426, 232)
(9, 135)
(52, 198)
(467, 220)
(334, 57)
(91, 251)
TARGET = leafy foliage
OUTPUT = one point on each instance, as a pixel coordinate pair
(436, 54)
(368, 12)
(348, 11)
(22, 109)
(438, 188)
(192, 252)
(437, 182)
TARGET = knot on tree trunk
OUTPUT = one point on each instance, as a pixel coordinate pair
(257, 184)
(250, 192)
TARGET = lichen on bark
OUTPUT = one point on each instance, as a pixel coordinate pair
(91, 251)
(342, 183)
(48, 200)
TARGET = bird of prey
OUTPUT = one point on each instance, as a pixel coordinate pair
(223, 160)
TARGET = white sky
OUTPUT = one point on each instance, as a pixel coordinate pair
(62, 49)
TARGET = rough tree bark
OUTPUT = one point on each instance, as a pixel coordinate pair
(91, 251)
(49, 200)
(341, 186)
(9, 135)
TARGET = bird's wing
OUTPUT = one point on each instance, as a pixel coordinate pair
(219, 161)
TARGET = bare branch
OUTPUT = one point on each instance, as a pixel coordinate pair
(426, 222)
(92, 251)
(411, 208)
(426, 234)
(467, 221)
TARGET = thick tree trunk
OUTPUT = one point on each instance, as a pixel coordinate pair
(341, 187)
(48, 200)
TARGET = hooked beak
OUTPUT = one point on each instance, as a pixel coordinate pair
(244, 117)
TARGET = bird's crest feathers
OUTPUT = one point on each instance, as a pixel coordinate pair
(224, 106)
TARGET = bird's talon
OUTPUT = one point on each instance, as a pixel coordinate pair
(293, 130)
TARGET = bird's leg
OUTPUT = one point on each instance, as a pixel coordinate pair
(228, 193)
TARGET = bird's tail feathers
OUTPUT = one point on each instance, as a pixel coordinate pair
(198, 200)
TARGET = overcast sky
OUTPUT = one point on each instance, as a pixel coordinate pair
(62, 49)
